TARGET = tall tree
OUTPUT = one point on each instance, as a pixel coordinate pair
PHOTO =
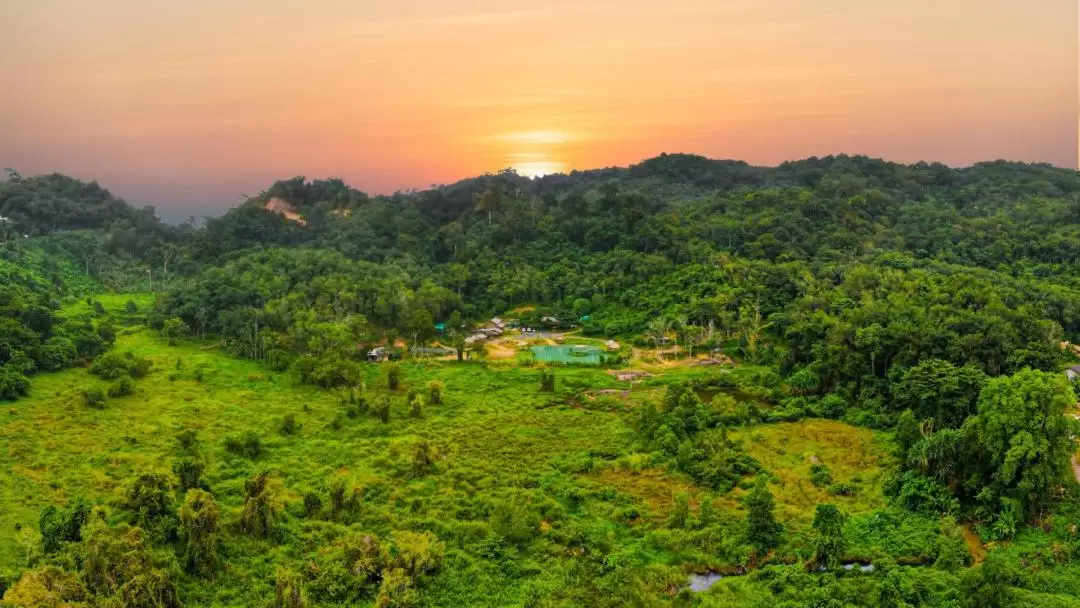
(763, 531)
(829, 544)
(1026, 437)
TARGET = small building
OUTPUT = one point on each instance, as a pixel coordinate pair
(378, 354)
(612, 345)
(477, 337)
(549, 320)
(1073, 372)
(440, 327)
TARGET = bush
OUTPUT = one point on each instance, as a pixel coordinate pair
(325, 372)
(12, 384)
(107, 332)
(288, 425)
(435, 391)
(98, 308)
(312, 504)
(820, 475)
(58, 526)
(57, 353)
(830, 406)
(188, 441)
(188, 472)
(393, 377)
(842, 489)
(278, 359)
(112, 365)
(131, 307)
(381, 408)
(123, 387)
(416, 405)
(547, 381)
(174, 329)
(246, 444)
(94, 397)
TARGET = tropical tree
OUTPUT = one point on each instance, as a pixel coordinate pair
(763, 531)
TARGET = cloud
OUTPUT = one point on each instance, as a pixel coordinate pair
(400, 25)
(485, 18)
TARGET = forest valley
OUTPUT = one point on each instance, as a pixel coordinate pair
(690, 382)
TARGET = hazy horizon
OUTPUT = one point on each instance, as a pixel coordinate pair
(189, 106)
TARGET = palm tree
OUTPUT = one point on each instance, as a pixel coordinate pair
(680, 325)
(658, 329)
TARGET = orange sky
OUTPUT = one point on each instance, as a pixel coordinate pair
(194, 102)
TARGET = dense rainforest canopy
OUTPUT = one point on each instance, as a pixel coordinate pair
(918, 313)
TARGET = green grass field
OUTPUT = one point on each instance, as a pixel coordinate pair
(497, 439)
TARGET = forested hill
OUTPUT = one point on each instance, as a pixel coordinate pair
(590, 240)
(679, 206)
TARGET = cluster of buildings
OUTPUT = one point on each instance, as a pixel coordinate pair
(492, 329)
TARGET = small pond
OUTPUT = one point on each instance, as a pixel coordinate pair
(702, 582)
(568, 353)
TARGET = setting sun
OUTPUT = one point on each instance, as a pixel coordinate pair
(538, 168)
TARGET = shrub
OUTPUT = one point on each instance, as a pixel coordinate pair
(312, 504)
(393, 376)
(112, 365)
(381, 408)
(547, 381)
(820, 475)
(246, 444)
(830, 406)
(188, 472)
(278, 359)
(57, 353)
(199, 517)
(422, 459)
(435, 391)
(326, 372)
(13, 384)
(94, 397)
(148, 496)
(174, 329)
(288, 425)
(131, 307)
(123, 387)
(262, 505)
(98, 308)
(416, 406)
(107, 332)
(58, 526)
(188, 441)
(680, 511)
(842, 489)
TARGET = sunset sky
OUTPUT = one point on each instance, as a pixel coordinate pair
(188, 104)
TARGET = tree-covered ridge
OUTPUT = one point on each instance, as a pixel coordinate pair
(49, 203)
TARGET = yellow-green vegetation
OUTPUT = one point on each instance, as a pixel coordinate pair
(114, 305)
(857, 461)
(492, 432)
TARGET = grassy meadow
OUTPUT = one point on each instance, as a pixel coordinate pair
(498, 444)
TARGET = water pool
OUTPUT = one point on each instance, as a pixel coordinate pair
(568, 353)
